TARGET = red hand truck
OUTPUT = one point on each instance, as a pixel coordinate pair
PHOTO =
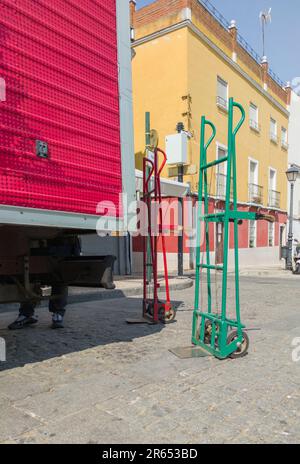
(153, 307)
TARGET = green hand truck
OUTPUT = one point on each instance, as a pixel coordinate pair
(219, 335)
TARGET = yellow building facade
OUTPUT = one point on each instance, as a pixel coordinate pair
(187, 63)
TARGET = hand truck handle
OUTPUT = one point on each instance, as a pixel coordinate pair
(148, 178)
(158, 150)
(214, 133)
(242, 120)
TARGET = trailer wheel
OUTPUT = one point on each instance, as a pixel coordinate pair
(167, 317)
(242, 351)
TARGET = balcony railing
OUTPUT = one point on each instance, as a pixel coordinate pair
(256, 194)
(221, 187)
(254, 125)
(242, 42)
(274, 199)
(222, 103)
(273, 137)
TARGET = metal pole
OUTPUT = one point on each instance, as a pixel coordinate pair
(290, 236)
(180, 224)
(148, 142)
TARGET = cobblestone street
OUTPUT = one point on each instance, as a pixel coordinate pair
(102, 381)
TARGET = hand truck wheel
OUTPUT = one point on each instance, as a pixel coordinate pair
(208, 332)
(242, 351)
(166, 317)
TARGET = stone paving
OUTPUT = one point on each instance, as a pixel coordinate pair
(102, 381)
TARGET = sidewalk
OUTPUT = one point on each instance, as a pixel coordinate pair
(126, 286)
(275, 272)
(272, 272)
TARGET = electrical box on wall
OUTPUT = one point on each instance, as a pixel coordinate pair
(177, 148)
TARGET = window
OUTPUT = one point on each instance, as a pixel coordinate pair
(255, 190)
(272, 179)
(274, 196)
(222, 93)
(273, 130)
(284, 138)
(221, 173)
(271, 234)
(253, 117)
(253, 172)
(252, 234)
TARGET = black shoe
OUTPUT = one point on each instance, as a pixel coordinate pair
(57, 321)
(23, 321)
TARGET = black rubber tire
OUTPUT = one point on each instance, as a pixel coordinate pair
(243, 350)
(169, 318)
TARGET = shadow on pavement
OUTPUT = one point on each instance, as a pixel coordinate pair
(87, 325)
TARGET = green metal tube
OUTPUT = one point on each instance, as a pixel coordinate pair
(227, 211)
(198, 240)
(236, 243)
(202, 188)
(236, 228)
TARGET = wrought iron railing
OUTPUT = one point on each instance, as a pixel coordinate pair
(215, 13)
(222, 103)
(242, 42)
(256, 194)
(221, 186)
(276, 78)
(273, 137)
(274, 199)
(254, 125)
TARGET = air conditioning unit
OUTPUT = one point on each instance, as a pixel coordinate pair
(177, 148)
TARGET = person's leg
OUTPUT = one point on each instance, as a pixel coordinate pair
(58, 305)
(26, 317)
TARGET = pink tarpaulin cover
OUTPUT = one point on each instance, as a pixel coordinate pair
(59, 62)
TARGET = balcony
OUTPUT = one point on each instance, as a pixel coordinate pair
(222, 104)
(221, 186)
(256, 194)
(254, 126)
(274, 138)
(274, 199)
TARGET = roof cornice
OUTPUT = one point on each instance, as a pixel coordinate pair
(189, 24)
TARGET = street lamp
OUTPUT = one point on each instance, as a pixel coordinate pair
(291, 174)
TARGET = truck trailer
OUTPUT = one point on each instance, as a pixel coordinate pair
(66, 140)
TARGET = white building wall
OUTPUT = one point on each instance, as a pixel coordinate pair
(294, 158)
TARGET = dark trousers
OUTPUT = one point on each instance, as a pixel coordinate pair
(55, 306)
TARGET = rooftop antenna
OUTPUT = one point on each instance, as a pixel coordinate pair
(265, 17)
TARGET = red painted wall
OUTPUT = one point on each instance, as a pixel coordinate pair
(262, 232)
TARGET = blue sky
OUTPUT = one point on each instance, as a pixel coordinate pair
(283, 35)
